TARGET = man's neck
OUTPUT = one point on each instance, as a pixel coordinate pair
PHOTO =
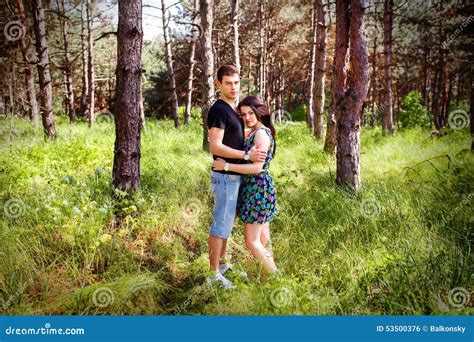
(230, 102)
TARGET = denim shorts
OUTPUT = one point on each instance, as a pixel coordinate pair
(225, 188)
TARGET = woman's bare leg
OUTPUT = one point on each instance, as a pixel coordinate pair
(253, 235)
(265, 235)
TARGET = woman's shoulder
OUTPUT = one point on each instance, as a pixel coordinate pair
(263, 133)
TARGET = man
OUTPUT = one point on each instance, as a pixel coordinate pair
(226, 138)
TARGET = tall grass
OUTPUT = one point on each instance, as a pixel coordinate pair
(402, 245)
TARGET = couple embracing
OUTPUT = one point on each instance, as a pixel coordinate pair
(240, 181)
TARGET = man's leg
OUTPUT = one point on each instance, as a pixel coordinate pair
(223, 251)
(216, 245)
(226, 191)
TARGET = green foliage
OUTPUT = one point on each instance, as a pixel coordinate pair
(299, 113)
(397, 247)
(413, 113)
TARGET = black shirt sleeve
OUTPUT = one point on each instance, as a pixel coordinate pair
(215, 118)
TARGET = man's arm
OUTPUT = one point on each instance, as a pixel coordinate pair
(216, 135)
(253, 168)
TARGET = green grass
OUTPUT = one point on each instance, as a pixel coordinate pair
(399, 246)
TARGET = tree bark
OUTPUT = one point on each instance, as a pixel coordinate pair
(207, 17)
(261, 47)
(374, 85)
(312, 61)
(387, 123)
(349, 103)
(426, 77)
(339, 72)
(471, 109)
(192, 62)
(44, 75)
(67, 66)
(142, 109)
(169, 65)
(438, 84)
(85, 81)
(126, 168)
(90, 66)
(33, 110)
(320, 75)
(235, 32)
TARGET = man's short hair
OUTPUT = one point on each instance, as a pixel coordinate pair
(226, 70)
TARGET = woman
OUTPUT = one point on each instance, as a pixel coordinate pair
(257, 198)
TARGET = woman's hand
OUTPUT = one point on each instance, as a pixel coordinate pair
(218, 164)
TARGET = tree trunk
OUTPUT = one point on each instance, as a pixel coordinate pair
(471, 108)
(312, 61)
(235, 32)
(339, 73)
(67, 66)
(126, 168)
(387, 123)
(261, 52)
(90, 66)
(249, 76)
(33, 110)
(438, 85)
(374, 85)
(142, 109)
(215, 47)
(3, 110)
(192, 62)
(320, 75)
(207, 17)
(447, 98)
(349, 101)
(169, 65)
(85, 81)
(44, 75)
(12, 89)
(426, 77)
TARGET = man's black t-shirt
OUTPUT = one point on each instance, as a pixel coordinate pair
(222, 115)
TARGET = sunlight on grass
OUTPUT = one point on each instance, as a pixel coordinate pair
(397, 247)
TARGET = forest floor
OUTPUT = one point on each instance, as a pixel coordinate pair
(402, 245)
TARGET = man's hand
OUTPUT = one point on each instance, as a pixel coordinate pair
(256, 154)
(218, 164)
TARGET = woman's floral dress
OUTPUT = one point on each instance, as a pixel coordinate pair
(257, 197)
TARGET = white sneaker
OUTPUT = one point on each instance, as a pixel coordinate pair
(223, 268)
(221, 280)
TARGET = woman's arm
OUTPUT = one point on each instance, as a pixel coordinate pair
(216, 135)
(263, 141)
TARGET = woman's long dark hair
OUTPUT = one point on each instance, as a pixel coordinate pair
(261, 111)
